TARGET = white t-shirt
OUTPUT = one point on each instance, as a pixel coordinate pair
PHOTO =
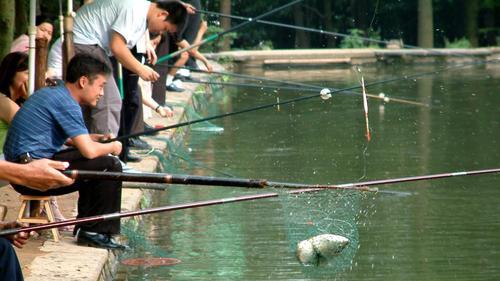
(95, 22)
(54, 62)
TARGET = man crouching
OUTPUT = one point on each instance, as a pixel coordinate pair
(51, 117)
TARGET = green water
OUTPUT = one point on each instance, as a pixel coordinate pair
(430, 230)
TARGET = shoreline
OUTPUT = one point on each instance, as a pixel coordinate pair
(44, 259)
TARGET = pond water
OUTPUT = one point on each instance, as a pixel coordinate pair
(445, 229)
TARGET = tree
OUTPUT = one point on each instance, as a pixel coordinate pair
(471, 14)
(225, 8)
(425, 24)
(302, 38)
(7, 10)
(327, 6)
(21, 18)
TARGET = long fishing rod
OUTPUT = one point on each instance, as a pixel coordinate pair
(113, 216)
(283, 102)
(311, 88)
(196, 180)
(325, 32)
(257, 183)
(222, 33)
(118, 215)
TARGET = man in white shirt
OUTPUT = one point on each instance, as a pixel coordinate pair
(107, 28)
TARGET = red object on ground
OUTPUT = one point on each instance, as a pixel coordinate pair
(150, 262)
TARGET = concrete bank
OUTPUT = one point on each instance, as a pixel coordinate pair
(43, 259)
(338, 57)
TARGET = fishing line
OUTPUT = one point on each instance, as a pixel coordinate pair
(232, 29)
(298, 99)
(335, 34)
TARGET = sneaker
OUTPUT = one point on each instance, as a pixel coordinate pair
(173, 88)
(98, 240)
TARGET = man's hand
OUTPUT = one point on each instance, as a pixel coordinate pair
(190, 8)
(19, 239)
(42, 174)
(165, 111)
(151, 53)
(208, 66)
(148, 74)
(117, 148)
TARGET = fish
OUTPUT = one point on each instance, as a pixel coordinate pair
(321, 247)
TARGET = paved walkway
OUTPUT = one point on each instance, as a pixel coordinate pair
(43, 259)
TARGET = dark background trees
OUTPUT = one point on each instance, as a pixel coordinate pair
(478, 21)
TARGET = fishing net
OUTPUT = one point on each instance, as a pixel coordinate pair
(326, 212)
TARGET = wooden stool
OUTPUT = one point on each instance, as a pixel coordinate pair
(42, 214)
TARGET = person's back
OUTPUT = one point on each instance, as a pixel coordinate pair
(95, 21)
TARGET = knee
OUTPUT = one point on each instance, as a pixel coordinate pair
(111, 163)
(5, 246)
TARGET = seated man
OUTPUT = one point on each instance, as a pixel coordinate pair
(46, 121)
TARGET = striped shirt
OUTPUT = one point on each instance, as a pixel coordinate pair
(45, 121)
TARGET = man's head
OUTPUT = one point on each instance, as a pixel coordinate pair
(166, 16)
(86, 77)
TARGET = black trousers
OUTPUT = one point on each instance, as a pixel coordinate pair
(131, 117)
(9, 264)
(159, 87)
(96, 197)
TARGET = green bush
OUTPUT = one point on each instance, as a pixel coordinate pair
(356, 39)
(461, 43)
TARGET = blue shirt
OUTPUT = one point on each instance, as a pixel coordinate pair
(45, 121)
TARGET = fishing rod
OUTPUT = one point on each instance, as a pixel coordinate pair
(382, 97)
(298, 99)
(330, 33)
(195, 180)
(118, 215)
(257, 183)
(222, 33)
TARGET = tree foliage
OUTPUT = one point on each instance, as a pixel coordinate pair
(389, 19)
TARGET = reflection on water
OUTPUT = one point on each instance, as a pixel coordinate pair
(431, 230)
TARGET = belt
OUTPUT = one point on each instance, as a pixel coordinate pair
(24, 158)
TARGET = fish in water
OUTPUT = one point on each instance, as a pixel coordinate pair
(320, 247)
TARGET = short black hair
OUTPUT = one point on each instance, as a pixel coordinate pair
(86, 65)
(177, 13)
(10, 65)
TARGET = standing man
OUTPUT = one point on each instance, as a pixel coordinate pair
(46, 121)
(106, 28)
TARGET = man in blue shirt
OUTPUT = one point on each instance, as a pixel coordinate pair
(52, 117)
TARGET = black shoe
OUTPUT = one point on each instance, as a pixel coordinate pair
(149, 128)
(183, 78)
(132, 158)
(138, 143)
(173, 88)
(85, 238)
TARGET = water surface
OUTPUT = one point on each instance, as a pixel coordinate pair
(430, 230)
